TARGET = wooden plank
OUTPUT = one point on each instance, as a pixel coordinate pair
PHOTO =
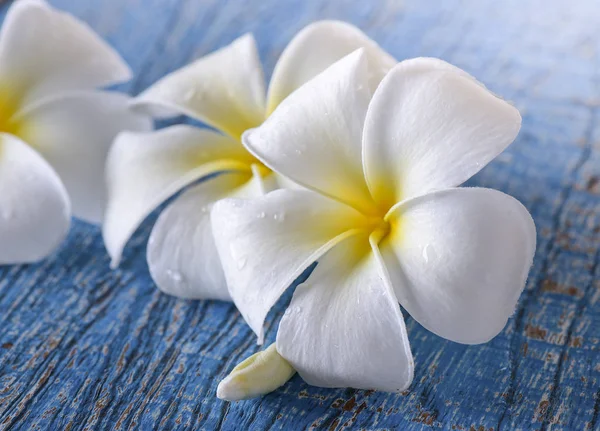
(82, 347)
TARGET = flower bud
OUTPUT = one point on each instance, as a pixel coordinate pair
(259, 374)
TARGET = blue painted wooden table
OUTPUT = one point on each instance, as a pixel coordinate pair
(82, 347)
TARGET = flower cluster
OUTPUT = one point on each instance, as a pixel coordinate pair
(226, 91)
(349, 159)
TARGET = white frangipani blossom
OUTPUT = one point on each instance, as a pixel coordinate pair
(55, 129)
(225, 90)
(383, 216)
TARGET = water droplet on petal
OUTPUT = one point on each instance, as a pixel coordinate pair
(429, 253)
(189, 95)
(261, 215)
(175, 276)
(241, 263)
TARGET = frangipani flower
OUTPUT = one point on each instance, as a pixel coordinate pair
(384, 218)
(55, 130)
(226, 91)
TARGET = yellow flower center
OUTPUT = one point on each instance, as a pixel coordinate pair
(380, 228)
(8, 122)
(10, 104)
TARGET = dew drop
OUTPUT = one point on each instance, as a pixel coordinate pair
(261, 215)
(429, 253)
(175, 275)
(189, 95)
(241, 263)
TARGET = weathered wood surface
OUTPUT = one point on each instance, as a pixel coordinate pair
(85, 348)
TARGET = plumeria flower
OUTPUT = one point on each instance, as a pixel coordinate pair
(55, 130)
(226, 91)
(383, 216)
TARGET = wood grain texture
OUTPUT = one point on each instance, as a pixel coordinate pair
(84, 348)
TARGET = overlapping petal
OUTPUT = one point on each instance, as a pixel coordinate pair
(316, 47)
(34, 206)
(429, 127)
(344, 326)
(45, 52)
(182, 255)
(144, 169)
(314, 136)
(74, 134)
(224, 89)
(266, 243)
(459, 259)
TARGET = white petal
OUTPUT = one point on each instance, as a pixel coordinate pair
(344, 326)
(144, 169)
(74, 134)
(314, 137)
(459, 260)
(266, 243)
(34, 206)
(225, 89)
(182, 256)
(45, 52)
(285, 183)
(315, 48)
(429, 127)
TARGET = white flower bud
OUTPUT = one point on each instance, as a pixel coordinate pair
(258, 375)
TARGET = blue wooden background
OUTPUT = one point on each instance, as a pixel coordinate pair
(82, 347)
